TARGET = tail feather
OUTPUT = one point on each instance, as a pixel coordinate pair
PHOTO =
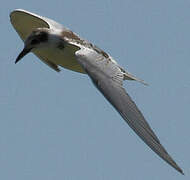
(129, 76)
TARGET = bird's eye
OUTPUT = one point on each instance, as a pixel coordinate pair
(42, 36)
(34, 41)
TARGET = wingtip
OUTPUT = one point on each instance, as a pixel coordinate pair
(181, 171)
(171, 162)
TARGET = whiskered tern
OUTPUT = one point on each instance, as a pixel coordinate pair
(58, 46)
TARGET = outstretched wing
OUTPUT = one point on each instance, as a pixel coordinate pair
(25, 22)
(108, 78)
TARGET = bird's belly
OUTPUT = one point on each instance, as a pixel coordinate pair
(63, 57)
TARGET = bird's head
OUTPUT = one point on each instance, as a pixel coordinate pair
(38, 38)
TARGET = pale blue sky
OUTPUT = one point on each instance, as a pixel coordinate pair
(58, 126)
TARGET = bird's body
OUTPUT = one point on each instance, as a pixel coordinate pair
(58, 46)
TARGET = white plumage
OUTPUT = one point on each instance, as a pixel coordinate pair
(65, 48)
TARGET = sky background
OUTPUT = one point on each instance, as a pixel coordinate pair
(58, 126)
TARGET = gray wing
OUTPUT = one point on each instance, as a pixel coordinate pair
(108, 78)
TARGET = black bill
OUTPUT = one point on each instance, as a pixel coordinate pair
(22, 54)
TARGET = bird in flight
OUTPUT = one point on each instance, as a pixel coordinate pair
(58, 46)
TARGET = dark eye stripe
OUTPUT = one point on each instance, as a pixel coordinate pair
(42, 36)
(35, 41)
